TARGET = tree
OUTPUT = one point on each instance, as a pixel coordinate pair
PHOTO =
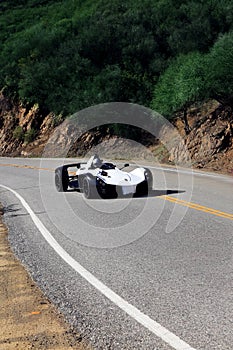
(182, 84)
(220, 70)
(66, 55)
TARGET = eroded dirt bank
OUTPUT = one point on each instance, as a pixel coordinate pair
(24, 132)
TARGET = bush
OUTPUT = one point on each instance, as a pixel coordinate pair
(183, 83)
(67, 55)
(220, 69)
(18, 133)
(30, 135)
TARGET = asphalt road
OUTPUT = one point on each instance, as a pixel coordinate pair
(135, 273)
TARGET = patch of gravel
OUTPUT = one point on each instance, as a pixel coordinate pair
(27, 319)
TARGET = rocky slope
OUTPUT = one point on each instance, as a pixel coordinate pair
(210, 141)
(25, 131)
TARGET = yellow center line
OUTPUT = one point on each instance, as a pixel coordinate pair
(26, 167)
(33, 167)
(199, 207)
(168, 198)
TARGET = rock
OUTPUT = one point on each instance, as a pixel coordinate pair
(209, 143)
(210, 140)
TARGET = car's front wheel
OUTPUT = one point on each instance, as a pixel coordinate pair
(142, 189)
(88, 189)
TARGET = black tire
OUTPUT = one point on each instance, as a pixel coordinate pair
(88, 188)
(145, 187)
(149, 179)
(61, 179)
(142, 189)
(105, 191)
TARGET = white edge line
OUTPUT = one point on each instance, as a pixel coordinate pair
(153, 326)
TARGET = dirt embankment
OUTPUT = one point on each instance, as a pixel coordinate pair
(210, 141)
(27, 319)
(25, 131)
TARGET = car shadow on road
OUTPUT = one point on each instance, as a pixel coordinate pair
(151, 194)
(159, 193)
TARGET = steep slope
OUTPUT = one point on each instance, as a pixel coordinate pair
(210, 141)
(24, 132)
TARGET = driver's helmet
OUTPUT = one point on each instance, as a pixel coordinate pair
(97, 161)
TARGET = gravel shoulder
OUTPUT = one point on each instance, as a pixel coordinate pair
(27, 319)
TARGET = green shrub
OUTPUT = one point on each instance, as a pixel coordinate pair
(18, 133)
(183, 83)
(30, 135)
(219, 72)
(67, 55)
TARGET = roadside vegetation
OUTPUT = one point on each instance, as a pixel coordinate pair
(69, 54)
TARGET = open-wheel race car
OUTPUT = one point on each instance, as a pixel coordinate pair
(96, 178)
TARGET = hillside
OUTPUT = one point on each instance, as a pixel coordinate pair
(209, 142)
(58, 57)
(70, 54)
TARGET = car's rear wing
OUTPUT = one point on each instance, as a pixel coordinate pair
(74, 165)
(64, 168)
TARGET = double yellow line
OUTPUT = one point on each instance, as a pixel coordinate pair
(167, 198)
(199, 207)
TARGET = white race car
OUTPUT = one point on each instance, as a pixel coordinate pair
(96, 178)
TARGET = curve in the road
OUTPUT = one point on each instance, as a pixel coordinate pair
(168, 337)
(191, 205)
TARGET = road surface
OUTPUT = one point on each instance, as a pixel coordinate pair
(135, 273)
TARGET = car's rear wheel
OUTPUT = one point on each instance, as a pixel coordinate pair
(61, 179)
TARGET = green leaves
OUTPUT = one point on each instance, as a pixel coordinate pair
(68, 55)
(197, 77)
(183, 83)
(220, 69)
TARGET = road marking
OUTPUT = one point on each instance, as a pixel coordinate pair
(167, 169)
(199, 207)
(161, 332)
(34, 167)
(26, 167)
